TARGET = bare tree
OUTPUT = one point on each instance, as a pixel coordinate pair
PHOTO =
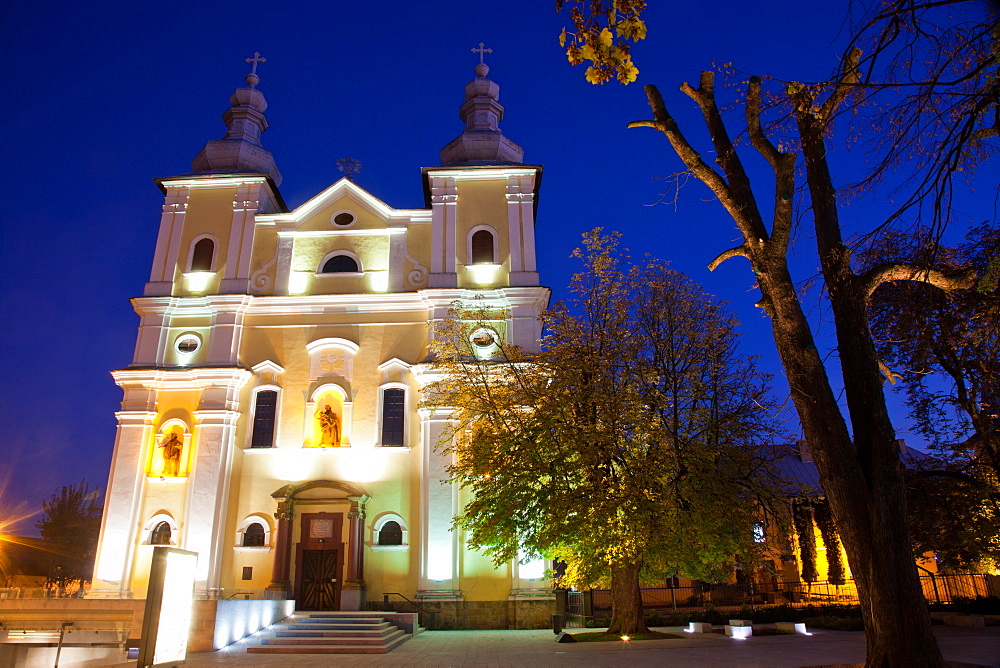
(945, 117)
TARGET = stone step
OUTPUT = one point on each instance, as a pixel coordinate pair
(335, 627)
(327, 649)
(331, 633)
(341, 618)
(312, 633)
(381, 640)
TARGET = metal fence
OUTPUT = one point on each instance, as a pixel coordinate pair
(938, 588)
(212, 594)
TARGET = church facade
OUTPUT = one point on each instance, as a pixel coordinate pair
(271, 419)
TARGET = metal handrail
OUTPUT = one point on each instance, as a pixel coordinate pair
(419, 608)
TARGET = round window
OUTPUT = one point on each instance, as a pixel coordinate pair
(187, 344)
(343, 219)
(484, 339)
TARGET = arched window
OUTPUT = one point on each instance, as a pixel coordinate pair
(390, 534)
(482, 251)
(160, 534)
(204, 253)
(393, 417)
(265, 407)
(253, 535)
(341, 264)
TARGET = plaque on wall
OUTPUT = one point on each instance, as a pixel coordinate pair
(321, 529)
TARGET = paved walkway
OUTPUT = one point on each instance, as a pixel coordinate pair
(529, 649)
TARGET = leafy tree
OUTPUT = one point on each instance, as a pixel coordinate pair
(629, 447)
(954, 515)
(859, 465)
(944, 348)
(70, 526)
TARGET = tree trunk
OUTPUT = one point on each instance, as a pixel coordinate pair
(895, 612)
(861, 476)
(626, 601)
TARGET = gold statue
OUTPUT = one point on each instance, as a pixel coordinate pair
(330, 424)
(172, 455)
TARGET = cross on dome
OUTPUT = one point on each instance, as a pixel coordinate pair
(482, 69)
(481, 50)
(252, 79)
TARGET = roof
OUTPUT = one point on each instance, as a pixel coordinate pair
(802, 477)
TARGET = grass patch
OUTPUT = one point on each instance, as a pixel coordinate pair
(598, 636)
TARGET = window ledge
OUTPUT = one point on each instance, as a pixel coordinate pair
(166, 479)
(393, 448)
(244, 548)
(350, 274)
(390, 548)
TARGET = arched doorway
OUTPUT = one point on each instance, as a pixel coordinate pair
(319, 556)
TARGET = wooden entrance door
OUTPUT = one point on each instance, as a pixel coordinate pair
(319, 562)
(320, 584)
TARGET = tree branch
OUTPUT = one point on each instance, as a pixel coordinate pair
(849, 78)
(728, 158)
(739, 251)
(886, 273)
(783, 165)
(889, 374)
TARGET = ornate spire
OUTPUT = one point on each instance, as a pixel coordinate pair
(240, 150)
(482, 142)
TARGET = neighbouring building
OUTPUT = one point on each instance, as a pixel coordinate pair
(271, 418)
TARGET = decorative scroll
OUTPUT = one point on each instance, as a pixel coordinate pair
(260, 280)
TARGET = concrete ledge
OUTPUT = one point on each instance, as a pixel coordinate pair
(216, 624)
(792, 627)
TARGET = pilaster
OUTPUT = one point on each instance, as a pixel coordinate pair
(209, 481)
(168, 241)
(241, 235)
(444, 201)
(439, 545)
(121, 522)
(227, 327)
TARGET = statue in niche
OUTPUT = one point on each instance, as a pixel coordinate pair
(172, 447)
(330, 424)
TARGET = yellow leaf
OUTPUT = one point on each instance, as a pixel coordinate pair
(640, 30)
(593, 75)
(627, 71)
(605, 38)
(588, 53)
(562, 38)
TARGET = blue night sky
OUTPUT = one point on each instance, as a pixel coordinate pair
(103, 97)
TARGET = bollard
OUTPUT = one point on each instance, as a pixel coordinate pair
(557, 621)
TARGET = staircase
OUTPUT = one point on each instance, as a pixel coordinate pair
(331, 633)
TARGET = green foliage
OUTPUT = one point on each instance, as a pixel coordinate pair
(802, 518)
(70, 526)
(828, 532)
(955, 516)
(944, 347)
(835, 623)
(634, 436)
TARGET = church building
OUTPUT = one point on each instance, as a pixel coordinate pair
(272, 420)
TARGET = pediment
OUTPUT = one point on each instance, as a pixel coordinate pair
(318, 214)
